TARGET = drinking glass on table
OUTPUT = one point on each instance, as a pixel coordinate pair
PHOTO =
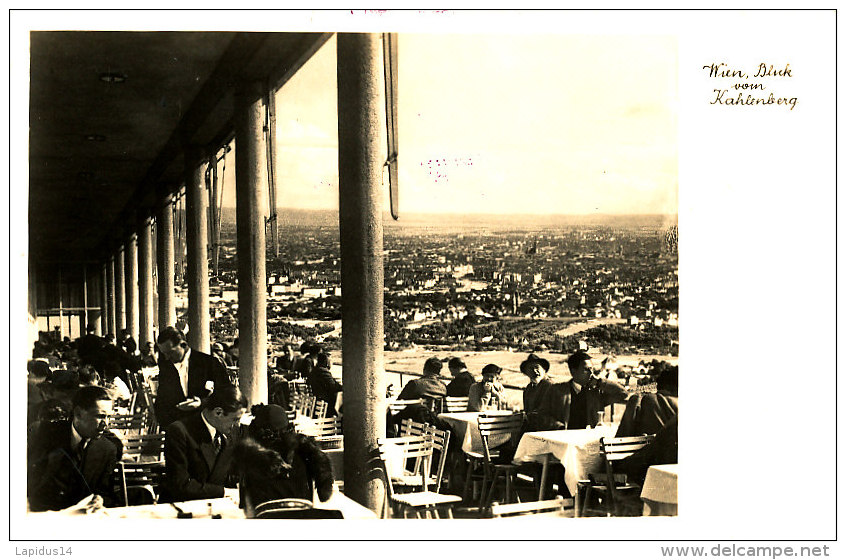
(600, 418)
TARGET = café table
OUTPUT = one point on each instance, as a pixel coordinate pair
(465, 427)
(577, 450)
(660, 490)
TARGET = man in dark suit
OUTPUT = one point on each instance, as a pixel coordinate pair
(323, 385)
(68, 460)
(198, 449)
(461, 379)
(185, 377)
(571, 405)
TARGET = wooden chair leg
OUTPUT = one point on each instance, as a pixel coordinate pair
(468, 479)
(489, 497)
(508, 487)
(586, 502)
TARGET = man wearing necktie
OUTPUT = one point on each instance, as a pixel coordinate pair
(71, 459)
(186, 376)
(198, 449)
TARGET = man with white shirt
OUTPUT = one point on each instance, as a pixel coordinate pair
(68, 460)
(186, 376)
(198, 449)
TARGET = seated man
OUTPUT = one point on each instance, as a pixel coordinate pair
(429, 387)
(461, 379)
(488, 393)
(198, 449)
(69, 459)
(323, 385)
(647, 413)
(569, 405)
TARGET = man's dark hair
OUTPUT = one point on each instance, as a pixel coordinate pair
(576, 359)
(172, 335)
(323, 361)
(432, 366)
(86, 397)
(669, 380)
(457, 363)
(228, 397)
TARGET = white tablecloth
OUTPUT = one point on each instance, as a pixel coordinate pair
(465, 427)
(577, 450)
(660, 490)
(228, 509)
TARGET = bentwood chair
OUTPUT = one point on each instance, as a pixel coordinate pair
(609, 486)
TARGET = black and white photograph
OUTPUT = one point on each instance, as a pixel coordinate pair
(431, 272)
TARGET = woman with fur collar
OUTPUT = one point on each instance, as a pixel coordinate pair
(275, 462)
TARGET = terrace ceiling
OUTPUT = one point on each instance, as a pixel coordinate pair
(99, 151)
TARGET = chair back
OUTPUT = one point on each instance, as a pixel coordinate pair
(325, 427)
(273, 508)
(140, 479)
(616, 449)
(144, 447)
(126, 424)
(456, 404)
(410, 427)
(498, 430)
(399, 451)
(399, 404)
(320, 408)
(440, 446)
(546, 508)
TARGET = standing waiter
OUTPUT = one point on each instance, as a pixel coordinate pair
(186, 376)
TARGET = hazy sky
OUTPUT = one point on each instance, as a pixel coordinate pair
(503, 124)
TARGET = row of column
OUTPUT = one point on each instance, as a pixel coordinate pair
(360, 158)
(128, 275)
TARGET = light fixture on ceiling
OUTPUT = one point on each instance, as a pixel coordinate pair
(112, 77)
(95, 137)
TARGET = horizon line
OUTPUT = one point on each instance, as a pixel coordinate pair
(436, 213)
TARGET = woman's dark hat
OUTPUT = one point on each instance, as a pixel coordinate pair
(534, 359)
(271, 416)
(491, 369)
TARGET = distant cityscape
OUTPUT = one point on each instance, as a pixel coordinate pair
(470, 282)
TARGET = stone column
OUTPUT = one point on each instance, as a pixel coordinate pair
(360, 159)
(120, 292)
(165, 261)
(251, 203)
(145, 282)
(197, 232)
(131, 280)
(110, 296)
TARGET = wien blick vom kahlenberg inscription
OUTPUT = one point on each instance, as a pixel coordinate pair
(751, 88)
